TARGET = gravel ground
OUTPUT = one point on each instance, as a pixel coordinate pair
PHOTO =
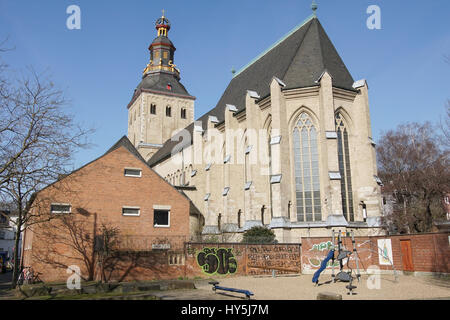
(301, 288)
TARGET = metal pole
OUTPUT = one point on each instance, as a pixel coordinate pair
(358, 275)
(339, 249)
(332, 248)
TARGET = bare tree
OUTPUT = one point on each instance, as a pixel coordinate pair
(38, 139)
(444, 127)
(415, 172)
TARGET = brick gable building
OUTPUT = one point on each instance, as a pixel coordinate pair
(118, 191)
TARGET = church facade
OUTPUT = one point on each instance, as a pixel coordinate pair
(288, 146)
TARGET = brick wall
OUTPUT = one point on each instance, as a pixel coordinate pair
(429, 252)
(97, 192)
(228, 259)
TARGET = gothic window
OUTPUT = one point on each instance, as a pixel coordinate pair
(344, 168)
(307, 179)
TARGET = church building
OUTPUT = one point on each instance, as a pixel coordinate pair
(288, 145)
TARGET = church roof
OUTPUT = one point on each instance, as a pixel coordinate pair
(298, 59)
(159, 81)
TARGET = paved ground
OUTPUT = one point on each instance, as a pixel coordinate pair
(301, 288)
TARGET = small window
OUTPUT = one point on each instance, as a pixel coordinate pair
(165, 54)
(168, 111)
(169, 87)
(130, 172)
(60, 208)
(131, 211)
(153, 109)
(176, 259)
(161, 218)
(183, 113)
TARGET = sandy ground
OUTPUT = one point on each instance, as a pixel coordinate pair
(301, 288)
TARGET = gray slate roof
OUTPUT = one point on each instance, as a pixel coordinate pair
(158, 82)
(298, 59)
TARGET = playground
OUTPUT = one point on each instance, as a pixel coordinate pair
(299, 287)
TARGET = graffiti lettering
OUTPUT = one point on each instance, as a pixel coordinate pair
(322, 246)
(217, 261)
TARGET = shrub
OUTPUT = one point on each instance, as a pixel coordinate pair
(259, 235)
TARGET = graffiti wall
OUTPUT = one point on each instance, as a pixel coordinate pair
(418, 252)
(242, 259)
(282, 258)
(217, 261)
(314, 251)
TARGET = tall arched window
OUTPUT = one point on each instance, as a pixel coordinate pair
(344, 168)
(307, 179)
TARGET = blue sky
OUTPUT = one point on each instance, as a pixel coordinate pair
(100, 65)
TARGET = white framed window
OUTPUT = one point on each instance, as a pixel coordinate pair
(58, 208)
(133, 172)
(161, 217)
(131, 211)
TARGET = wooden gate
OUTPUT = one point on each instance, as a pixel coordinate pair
(406, 255)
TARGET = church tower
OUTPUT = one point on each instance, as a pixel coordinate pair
(160, 105)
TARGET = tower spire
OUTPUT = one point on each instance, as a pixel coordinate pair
(162, 51)
(162, 25)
